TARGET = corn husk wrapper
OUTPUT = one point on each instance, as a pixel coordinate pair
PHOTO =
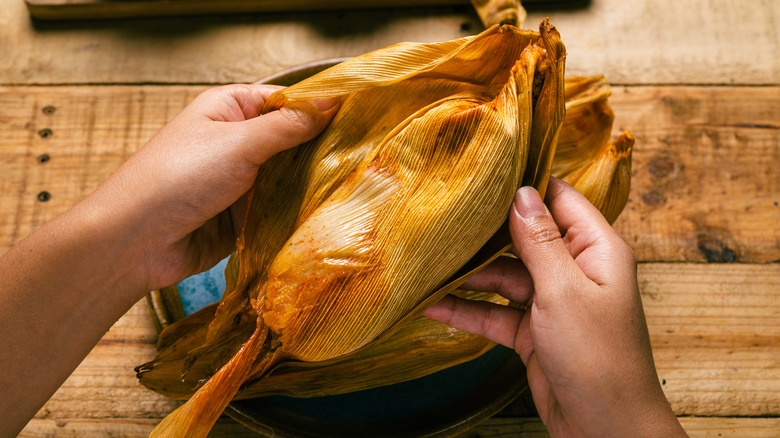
(423, 346)
(418, 349)
(351, 236)
(585, 157)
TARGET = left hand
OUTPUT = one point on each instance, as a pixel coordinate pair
(188, 184)
(171, 211)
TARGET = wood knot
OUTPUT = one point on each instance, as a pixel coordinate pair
(653, 198)
(661, 167)
(714, 250)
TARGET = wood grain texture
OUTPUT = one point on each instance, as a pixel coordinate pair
(100, 9)
(705, 186)
(637, 42)
(89, 132)
(96, 9)
(715, 331)
(496, 427)
(224, 49)
(119, 427)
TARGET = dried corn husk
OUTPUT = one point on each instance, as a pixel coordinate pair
(418, 349)
(350, 237)
(606, 181)
(585, 157)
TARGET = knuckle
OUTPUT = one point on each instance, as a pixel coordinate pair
(216, 91)
(297, 119)
(486, 324)
(540, 233)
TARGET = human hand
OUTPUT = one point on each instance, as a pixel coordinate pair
(583, 337)
(187, 187)
(172, 210)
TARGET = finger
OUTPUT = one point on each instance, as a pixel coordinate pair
(252, 100)
(581, 223)
(524, 343)
(289, 126)
(588, 236)
(228, 103)
(493, 321)
(505, 276)
(538, 242)
(539, 386)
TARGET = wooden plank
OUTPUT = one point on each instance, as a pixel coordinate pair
(695, 427)
(670, 41)
(120, 427)
(705, 186)
(89, 132)
(96, 9)
(236, 48)
(638, 42)
(715, 330)
(492, 428)
(731, 427)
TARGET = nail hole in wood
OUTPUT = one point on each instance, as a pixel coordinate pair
(44, 196)
(43, 158)
(45, 133)
(49, 110)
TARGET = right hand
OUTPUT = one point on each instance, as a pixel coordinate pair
(583, 337)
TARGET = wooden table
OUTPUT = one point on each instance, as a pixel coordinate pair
(697, 81)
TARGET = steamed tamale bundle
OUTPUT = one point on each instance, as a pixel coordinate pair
(423, 346)
(350, 236)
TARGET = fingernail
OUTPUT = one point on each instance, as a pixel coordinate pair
(325, 104)
(528, 203)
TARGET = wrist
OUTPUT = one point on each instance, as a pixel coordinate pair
(110, 258)
(646, 415)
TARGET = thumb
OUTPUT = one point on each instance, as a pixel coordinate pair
(293, 124)
(537, 241)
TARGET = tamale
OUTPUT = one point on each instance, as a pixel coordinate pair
(586, 128)
(606, 180)
(585, 158)
(352, 235)
(408, 354)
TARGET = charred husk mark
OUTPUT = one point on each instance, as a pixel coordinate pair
(458, 129)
